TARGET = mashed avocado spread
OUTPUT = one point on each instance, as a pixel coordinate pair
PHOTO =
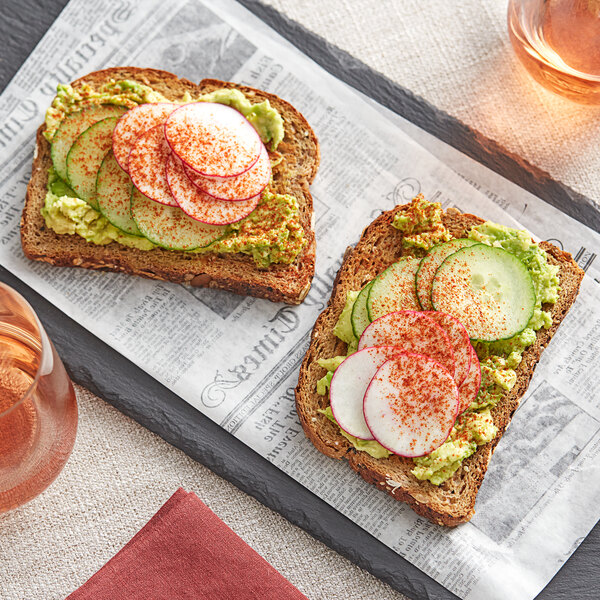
(272, 233)
(422, 224)
(263, 117)
(64, 212)
(499, 360)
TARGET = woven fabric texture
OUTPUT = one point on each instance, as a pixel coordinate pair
(457, 55)
(118, 476)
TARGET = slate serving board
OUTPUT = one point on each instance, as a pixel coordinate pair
(99, 368)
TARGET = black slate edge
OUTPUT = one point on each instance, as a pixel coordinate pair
(99, 368)
(417, 110)
(580, 576)
(23, 23)
(105, 372)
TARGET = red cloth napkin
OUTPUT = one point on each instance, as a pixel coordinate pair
(186, 552)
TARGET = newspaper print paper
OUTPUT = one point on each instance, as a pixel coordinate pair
(236, 359)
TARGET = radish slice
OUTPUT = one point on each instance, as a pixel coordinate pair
(469, 389)
(147, 166)
(235, 189)
(201, 206)
(213, 139)
(349, 384)
(461, 344)
(411, 404)
(411, 331)
(134, 123)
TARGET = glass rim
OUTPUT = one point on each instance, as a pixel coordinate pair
(40, 332)
(563, 68)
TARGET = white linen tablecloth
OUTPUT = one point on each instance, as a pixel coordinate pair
(457, 56)
(118, 476)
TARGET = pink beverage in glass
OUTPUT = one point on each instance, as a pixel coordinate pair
(558, 42)
(38, 409)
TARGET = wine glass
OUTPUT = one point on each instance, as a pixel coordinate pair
(38, 408)
(558, 42)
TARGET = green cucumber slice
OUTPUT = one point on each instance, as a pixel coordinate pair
(86, 156)
(489, 290)
(169, 226)
(394, 289)
(113, 193)
(360, 315)
(72, 126)
(429, 265)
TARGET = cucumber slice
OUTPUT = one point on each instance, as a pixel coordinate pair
(72, 127)
(394, 289)
(169, 226)
(113, 193)
(86, 156)
(489, 290)
(360, 316)
(429, 265)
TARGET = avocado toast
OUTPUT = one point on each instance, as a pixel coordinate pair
(234, 263)
(451, 499)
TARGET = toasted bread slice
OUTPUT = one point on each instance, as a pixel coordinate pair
(452, 502)
(234, 272)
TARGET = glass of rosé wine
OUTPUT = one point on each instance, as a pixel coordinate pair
(38, 408)
(558, 42)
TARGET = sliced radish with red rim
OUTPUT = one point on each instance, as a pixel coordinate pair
(235, 189)
(201, 206)
(147, 166)
(213, 139)
(411, 405)
(348, 387)
(134, 123)
(469, 389)
(411, 331)
(459, 338)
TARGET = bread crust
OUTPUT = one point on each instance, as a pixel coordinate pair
(452, 502)
(233, 272)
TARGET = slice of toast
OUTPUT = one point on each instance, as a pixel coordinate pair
(453, 501)
(238, 273)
